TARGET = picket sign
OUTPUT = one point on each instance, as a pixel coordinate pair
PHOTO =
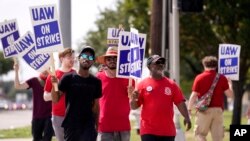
(45, 21)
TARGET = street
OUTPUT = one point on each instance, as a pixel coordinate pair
(14, 119)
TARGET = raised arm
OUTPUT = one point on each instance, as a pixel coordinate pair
(17, 84)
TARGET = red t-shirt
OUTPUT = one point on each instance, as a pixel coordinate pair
(203, 82)
(58, 109)
(114, 104)
(157, 98)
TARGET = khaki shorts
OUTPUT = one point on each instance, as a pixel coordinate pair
(209, 120)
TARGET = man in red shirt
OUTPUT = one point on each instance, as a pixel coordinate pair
(67, 58)
(114, 124)
(212, 118)
(157, 95)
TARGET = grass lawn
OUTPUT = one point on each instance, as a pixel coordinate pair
(26, 133)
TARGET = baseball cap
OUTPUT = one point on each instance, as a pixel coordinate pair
(111, 51)
(87, 48)
(154, 58)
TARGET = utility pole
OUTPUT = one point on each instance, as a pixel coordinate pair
(156, 27)
(174, 49)
(65, 21)
(165, 31)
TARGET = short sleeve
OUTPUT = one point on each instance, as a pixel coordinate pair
(64, 83)
(48, 84)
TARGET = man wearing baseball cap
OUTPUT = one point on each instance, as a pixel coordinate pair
(114, 124)
(157, 95)
(82, 91)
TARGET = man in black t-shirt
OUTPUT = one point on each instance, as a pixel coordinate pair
(82, 91)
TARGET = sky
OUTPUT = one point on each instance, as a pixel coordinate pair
(84, 13)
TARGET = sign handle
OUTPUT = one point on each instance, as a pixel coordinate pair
(130, 82)
(15, 60)
(55, 85)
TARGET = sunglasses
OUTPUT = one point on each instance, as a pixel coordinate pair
(111, 58)
(86, 56)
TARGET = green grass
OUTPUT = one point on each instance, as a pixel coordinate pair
(25, 132)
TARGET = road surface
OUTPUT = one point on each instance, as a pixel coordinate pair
(14, 119)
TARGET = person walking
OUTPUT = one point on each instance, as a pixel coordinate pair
(157, 95)
(114, 124)
(211, 119)
(82, 91)
(67, 58)
(41, 126)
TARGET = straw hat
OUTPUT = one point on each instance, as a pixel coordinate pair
(111, 51)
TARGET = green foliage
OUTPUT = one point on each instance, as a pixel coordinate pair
(5, 64)
(128, 13)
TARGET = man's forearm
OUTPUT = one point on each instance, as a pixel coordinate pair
(55, 95)
(133, 104)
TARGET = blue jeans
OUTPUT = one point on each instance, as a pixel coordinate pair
(114, 136)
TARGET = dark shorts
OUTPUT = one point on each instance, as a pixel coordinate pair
(149, 137)
(42, 129)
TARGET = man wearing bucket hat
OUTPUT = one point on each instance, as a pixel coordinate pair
(157, 95)
(114, 124)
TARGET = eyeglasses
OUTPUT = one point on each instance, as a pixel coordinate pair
(111, 58)
(86, 56)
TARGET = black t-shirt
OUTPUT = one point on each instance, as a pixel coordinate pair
(80, 94)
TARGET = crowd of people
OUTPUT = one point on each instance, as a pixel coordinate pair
(75, 105)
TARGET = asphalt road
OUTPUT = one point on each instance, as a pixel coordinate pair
(14, 119)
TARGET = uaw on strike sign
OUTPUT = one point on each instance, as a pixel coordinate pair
(26, 48)
(46, 28)
(9, 34)
(130, 54)
(229, 59)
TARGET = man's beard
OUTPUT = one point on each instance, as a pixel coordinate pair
(112, 68)
(85, 67)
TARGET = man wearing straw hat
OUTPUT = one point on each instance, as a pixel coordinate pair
(114, 124)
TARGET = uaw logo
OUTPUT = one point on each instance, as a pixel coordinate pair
(167, 91)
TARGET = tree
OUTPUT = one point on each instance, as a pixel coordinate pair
(220, 22)
(200, 35)
(5, 64)
(128, 13)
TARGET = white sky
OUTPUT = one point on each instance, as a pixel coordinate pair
(84, 13)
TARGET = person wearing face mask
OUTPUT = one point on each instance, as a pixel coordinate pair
(82, 91)
(41, 126)
(114, 124)
(157, 95)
